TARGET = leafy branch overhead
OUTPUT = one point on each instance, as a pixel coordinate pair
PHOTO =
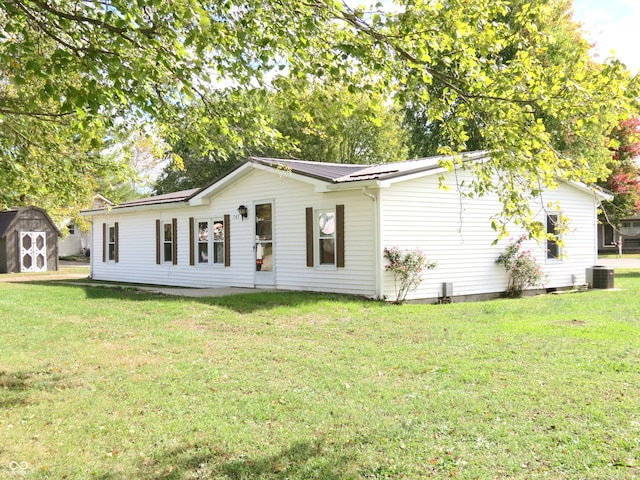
(510, 76)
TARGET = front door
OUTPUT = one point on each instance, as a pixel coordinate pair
(33, 252)
(264, 253)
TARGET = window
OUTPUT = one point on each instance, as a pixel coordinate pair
(71, 228)
(203, 241)
(111, 243)
(167, 242)
(324, 230)
(327, 237)
(553, 249)
(209, 241)
(213, 242)
(218, 241)
(630, 224)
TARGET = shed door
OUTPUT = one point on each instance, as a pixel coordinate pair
(33, 252)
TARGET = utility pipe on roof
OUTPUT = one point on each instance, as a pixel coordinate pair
(377, 244)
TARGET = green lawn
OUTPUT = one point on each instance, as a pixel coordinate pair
(116, 384)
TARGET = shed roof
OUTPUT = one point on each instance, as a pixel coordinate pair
(9, 217)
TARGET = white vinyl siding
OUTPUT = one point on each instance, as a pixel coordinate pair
(456, 233)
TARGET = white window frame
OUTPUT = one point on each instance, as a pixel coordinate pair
(111, 241)
(200, 260)
(211, 243)
(555, 219)
(166, 242)
(320, 236)
(215, 258)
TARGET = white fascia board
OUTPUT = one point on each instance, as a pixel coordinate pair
(599, 193)
(285, 173)
(355, 185)
(204, 196)
(412, 176)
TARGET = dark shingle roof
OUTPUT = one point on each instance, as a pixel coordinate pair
(341, 173)
(319, 170)
(180, 196)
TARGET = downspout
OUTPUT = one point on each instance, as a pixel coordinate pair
(377, 265)
(92, 253)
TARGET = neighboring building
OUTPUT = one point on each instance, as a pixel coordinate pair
(28, 241)
(295, 225)
(77, 242)
(627, 236)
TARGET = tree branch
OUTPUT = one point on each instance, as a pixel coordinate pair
(362, 26)
(147, 32)
(34, 114)
(43, 27)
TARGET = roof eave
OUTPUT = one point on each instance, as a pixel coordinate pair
(134, 208)
(600, 193)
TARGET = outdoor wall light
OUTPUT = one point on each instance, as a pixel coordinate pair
(243, 211)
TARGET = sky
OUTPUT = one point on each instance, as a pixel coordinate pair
(612, 25)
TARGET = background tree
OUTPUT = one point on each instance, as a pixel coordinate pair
(194, 170)
(330, 123)
(224, 145)
(624, 179)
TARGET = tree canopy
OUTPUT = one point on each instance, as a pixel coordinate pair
(75, 73)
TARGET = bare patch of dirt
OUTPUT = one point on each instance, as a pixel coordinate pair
(574, 322)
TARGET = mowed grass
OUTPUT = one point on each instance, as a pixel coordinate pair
(117, 384)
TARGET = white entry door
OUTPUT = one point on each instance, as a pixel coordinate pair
(264, 251)
(33, 252)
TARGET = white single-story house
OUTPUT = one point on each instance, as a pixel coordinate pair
(298, 225)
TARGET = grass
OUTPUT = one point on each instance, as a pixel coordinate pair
(615, 255)
(118, 384)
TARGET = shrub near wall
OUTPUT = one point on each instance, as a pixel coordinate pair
(522, 267)
(407, 267)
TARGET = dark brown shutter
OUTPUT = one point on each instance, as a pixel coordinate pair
(174, 227)
(158, 259)
(116, 255)
(339, 235)
(104, 242)
(227, 240)
(192, 260)
(309, 224)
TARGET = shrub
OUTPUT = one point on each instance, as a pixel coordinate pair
(522, 267)
(407, 267)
